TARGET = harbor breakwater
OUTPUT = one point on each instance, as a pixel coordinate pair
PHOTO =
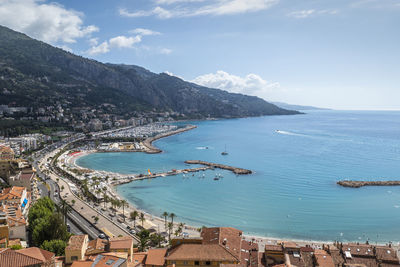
(358, 184)
(148, 143)
(220, 166)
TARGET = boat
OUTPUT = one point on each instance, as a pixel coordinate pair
(216, 178)
(224, 153)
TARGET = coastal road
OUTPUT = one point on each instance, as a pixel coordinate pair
(81, 207)
(78, 225)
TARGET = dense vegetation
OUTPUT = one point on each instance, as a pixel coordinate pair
(47, 226)
(12, 128)
(36, 74)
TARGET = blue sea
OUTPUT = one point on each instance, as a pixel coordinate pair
(296, 160)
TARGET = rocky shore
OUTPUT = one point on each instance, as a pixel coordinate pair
(358, 184)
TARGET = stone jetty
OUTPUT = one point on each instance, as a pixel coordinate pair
(357, 184)
(152, 149)
(220, 166)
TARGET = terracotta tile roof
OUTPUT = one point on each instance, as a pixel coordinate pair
(82, 264)
(37, 253)
(273, 248)
(289, 245)
(306, 249)
(228, 237)
(122, 255)
(385, 253)
(125, 242)
(96, 246)
(205, 252)
(156, 256)
(76, 242)
(362, 250)
(13, 214)
(139, 258)
(13, 193)
(11, 258)
(323, 259)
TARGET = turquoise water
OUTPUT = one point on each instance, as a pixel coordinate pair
(293, 192)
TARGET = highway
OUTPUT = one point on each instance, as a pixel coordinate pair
(83, 216)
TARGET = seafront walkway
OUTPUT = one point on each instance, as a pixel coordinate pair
(80, 206)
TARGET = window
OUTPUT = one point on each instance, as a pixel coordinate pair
(196, 263)
(208, 262)
(185, 263)
(74, 258)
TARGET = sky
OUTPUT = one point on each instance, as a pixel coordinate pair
(341, 54)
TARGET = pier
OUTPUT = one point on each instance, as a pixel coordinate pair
(358, 184)
(220, 166)
(152, 149)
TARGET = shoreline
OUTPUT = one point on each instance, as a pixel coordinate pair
(155, 221)
(148, 143)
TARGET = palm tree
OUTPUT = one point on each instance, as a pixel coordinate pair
(64, 209)
(124, 204)
(170, 228)
(142, 219)
(165, 214)
(172, 216)
(134, 215)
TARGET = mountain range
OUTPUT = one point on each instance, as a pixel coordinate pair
(36, 74)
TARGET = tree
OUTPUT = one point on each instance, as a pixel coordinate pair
(73, 202)
(165, 214)
(142, 219)
(170, 228)
(64, 209)
(96, 219)
(62, 188)
(134, 214)
(124, 204)
(16, 247)
(156, 240)
(172, 216)
(49, 229)
(144, 236)
(56, 246)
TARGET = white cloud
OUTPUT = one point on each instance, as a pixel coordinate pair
(165, 51)
(103, 48)
(115, 42)
(302, 14)
(251, 84)
(49, 22)
(144, 32)
(157, 11)
(124, 42)
(219, 7)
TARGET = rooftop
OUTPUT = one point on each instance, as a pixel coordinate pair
(76, 242)
(125, 242)
(156, 256)
(203, 252)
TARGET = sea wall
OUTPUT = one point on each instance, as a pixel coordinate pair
(357, 184)
(220, 166)
(148, 143)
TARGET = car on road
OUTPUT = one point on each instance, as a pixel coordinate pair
(132, 232)
(102, 236)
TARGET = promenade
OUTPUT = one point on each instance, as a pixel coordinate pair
(85, 210)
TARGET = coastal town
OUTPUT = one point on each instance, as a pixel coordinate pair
(102, 229)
